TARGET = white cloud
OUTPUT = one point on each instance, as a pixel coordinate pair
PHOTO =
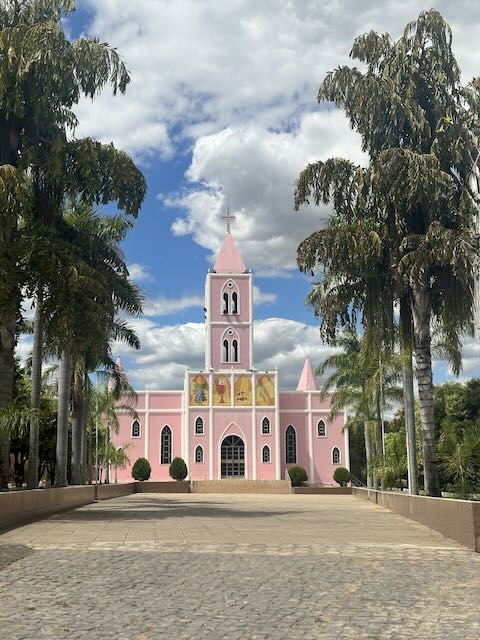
(24, 348)
(139, 273)
(198, 67)
(168, 350)
(261, 297)
(253, 171)
(162, 306)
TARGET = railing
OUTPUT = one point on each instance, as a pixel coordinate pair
(355, 482)
(288, 479)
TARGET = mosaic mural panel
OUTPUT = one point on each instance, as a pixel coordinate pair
(265, 391)
(198, 391)
(221, 391)
(243, 391)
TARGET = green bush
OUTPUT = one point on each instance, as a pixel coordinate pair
(178, 469)
(298, 475)
(342, 476)
(141, 470)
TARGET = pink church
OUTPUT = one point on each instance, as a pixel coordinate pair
(231, 420)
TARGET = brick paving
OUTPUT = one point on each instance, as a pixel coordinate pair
(149, 567)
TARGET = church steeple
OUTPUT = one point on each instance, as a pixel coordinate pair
(229, 310)
(229, 259)
(307, 380)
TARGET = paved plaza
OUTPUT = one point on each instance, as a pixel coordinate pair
(150, 566)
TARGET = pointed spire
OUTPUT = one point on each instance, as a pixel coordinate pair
(307, 380)
(229, 259)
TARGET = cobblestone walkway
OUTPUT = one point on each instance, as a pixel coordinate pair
(146, 568)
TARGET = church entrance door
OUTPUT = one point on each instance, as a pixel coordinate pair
(233, 457)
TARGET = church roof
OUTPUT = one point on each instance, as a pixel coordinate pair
(229, 259)
(307, 379)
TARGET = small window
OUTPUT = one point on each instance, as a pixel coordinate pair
(321, 429)
(135, 429)
(199, 427)
(199, 454)
(234, 302)
(290, 445)
(234, 351)
(225, 351)
(336, 455)
(265, 427)
(266, 454)
(225, 303)
(166, 445)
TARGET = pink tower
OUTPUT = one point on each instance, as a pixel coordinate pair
(229, 327)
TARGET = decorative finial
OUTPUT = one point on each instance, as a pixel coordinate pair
(228, 218)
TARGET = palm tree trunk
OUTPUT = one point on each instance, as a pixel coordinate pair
(408, 395)
(64, 387)
(379, 436)
(37, 357)
(368, 453)
(409, 408)
(7, 345)
(421, 311)
(84, 454)
(77, 434)
(107, 456)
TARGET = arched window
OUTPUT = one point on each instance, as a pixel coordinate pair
(266, 454)
(225, 351)
(135, 429)
(265, 427)
(230, 298)
(290, 445)
(199, 454)
(199, 426)
(230, 346)
(336, 455)
(321, 429)
(166, 445)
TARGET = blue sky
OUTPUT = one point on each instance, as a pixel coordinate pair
(222, 112)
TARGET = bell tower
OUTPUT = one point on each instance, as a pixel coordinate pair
(228, 304)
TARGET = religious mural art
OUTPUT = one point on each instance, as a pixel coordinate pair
(221, 391)
(199, 391)
(265, 391)
(243, 391)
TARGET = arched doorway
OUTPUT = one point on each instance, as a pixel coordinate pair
(233, 457)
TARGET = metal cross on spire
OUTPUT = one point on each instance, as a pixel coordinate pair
(229, 219)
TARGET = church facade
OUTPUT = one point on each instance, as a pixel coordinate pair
(231, 420)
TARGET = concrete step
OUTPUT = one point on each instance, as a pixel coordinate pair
(240, 486)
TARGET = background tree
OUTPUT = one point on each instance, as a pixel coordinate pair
(410, 214)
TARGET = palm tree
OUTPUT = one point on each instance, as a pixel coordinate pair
(81, 319)
(43, 76)
(409, 214)
(365, 382)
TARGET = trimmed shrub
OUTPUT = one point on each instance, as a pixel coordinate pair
(178, 469)
(342, 476)
(298, 475)
(141, 470)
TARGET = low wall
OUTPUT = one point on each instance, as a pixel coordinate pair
(19, 507)
(173, 486)
(240, 486)
(455, 519)
(107, 491)
(338, 491)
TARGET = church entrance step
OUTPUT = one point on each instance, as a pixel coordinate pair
(240, 486)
